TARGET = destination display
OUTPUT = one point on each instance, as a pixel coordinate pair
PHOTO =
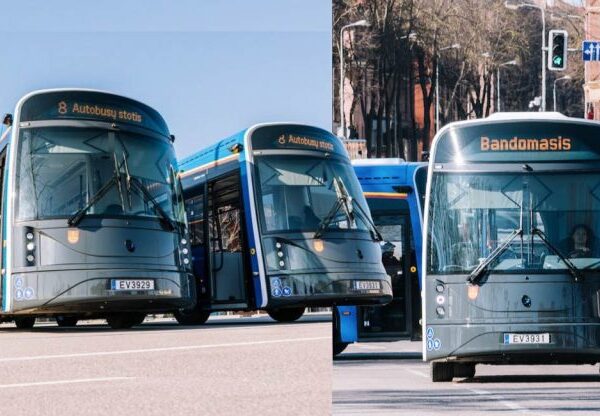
(297, 138)
(91, 106)
(535, 141)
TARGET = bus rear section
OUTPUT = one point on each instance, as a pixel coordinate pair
(511, 255)
(394, 191)
(301, 228)
(95, 224)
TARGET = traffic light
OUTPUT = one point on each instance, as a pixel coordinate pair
(557, 50)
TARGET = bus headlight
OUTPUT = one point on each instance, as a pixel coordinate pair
(30, 246)
(185, 251)
(439, 288)
(440, 311)
(186, 261)
(183, 241)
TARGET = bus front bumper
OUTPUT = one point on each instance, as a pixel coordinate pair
(565, 343)
(329, 289)
(93, 292)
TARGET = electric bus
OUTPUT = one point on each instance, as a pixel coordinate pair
(278, 222)
(512, 249)
(92, 216)
(395, 191)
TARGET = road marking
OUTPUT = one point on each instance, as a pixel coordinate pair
(505, 402)
(416, 372)
(162, 349)
(56, 382)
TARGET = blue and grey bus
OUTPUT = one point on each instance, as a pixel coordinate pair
(278, 222)
(93, 222)
(395, 191)
(512, 249)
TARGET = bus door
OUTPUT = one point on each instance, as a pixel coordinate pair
(394, 320)
(226, 260)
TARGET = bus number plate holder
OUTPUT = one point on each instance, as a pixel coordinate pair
(536, 338)
(366, 285)
(132, 284)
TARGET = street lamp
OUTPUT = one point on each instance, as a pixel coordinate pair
(517, 6)
(554, 89)
(508, 63)
(437, 84)
(360, 23)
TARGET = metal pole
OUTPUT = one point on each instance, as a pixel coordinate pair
(554, 95)
(342, 127)
(543, 58)
(498, 89)
(437, 95)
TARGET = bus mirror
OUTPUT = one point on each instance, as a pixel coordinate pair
(8, 120)
(236, 148)
(172, 137)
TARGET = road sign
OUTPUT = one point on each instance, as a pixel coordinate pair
(591, 50)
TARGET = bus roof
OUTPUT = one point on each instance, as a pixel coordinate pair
(222, 148)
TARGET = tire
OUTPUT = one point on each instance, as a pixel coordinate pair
(339, 347)
(25, 323)
(286, 314)
(66, 321)
(464, 370)
(442, 371)
(193, 317)
(125, 320)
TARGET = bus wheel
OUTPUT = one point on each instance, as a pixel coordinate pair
(66, 321)
(25, 323)
(125, 320)
(464, 370)
(442, 371)
(339, 347)
(193, 317)
(286, 314)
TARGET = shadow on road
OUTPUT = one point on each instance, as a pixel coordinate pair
(542, 378)
(165, 325)
(358, 356)
(440, 400)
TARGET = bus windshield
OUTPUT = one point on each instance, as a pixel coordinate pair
(60, 169)
(297, 193)
(554, 214)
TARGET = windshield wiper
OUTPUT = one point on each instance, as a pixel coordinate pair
(575, 272)
(478, 271)
(149, 198)
(374, 231)
(77, 216)
(342, 200)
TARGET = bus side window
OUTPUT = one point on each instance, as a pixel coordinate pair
(195, 212)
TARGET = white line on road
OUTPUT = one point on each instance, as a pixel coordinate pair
(50, 383)
(162, 349)
(416, 372)
(502, 400)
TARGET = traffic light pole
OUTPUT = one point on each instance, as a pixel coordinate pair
(544, 49)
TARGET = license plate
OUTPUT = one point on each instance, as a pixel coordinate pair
(367, 285)
(131, 284)
(527, 338)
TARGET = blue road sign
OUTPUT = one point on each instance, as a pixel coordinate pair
(591, 50)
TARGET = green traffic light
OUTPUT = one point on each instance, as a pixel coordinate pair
(558, 60)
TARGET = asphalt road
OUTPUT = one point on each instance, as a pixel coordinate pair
(226, 367)
(391, 379)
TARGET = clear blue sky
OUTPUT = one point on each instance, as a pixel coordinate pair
(211, 67)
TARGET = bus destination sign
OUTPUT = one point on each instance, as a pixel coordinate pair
(521, 144)
(304, 141)
(94, 110)
(91, 105)
(296, 137)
